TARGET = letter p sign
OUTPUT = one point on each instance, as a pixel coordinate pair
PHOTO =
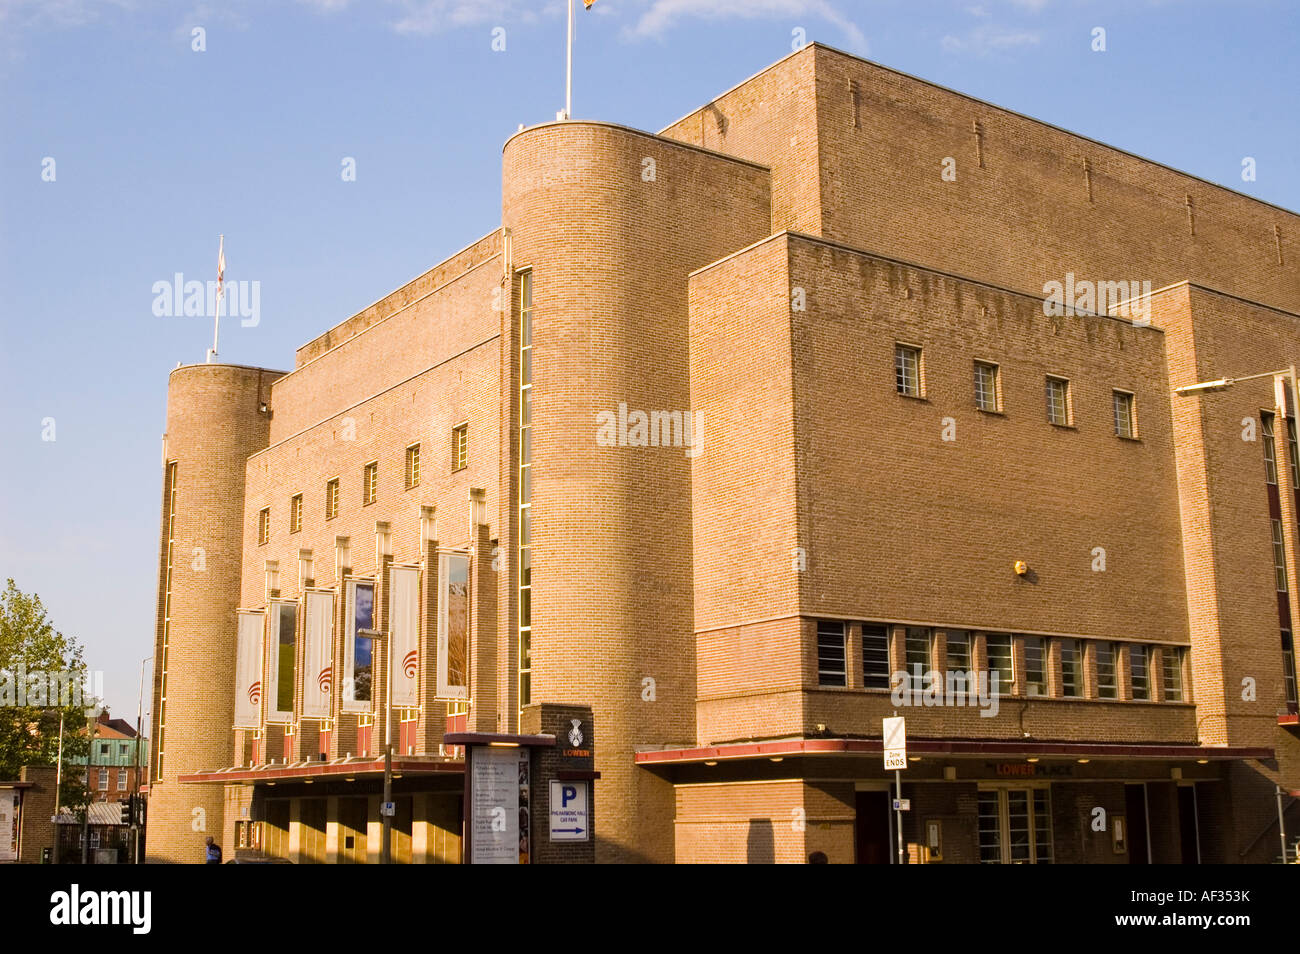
(569, 821)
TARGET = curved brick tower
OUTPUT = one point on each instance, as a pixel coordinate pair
(611, 221)
(214, 422)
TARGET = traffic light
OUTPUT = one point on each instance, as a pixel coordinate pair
(125, 808)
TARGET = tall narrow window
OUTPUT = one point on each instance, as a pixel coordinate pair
(1071, 669)
(412, 466)
(1058, 400)
(263, 525)
(998, 647)
(332, 499)
(1035, 666)
(1125, 425)
(525, 486)
(986, 386)
(169, 498)
(1279, 556)
(875, 656)
(460, 446)
(370, 483)
(918, 646)
(958, 677)
(1294, 450)
(1173, 672)
(830, 654)
(907, 370)
(1139, 671)
(1288, 667)
(295, 513)
(1106, 682)
(1270, 446)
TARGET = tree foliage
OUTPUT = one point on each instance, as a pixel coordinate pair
(34, 656)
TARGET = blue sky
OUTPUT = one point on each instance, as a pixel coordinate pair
(157, 148)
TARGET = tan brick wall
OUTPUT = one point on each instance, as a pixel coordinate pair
(610, 253)
(213, 425)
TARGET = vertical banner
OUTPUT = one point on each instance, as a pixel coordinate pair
(404, 632)
(318, 658)
(282, 639)
(358, 647)
(248, 671)
(453, 626)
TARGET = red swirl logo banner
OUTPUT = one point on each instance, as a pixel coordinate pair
(324, 679)
(255, 693)
(410, 663)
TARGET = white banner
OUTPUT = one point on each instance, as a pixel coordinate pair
(318, 658)
(404, 633)
(248, 671)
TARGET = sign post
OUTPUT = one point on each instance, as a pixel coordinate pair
(895, 745)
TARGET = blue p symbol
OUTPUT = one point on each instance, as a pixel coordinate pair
(567, 794)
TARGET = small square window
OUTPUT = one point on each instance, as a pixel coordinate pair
(332, 499)
(263, 525)
(370, 483)
(1125, 422)
(459, 447)
(413, 466)
(1058, 401)
(295, 513)
(907, 370)
(986, 386)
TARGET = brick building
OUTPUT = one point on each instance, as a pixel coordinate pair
(111, 776)
(717, 433)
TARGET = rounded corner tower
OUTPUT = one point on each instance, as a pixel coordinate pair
(216, 418)
(608, 223)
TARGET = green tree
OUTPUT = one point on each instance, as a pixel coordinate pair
(29, 718)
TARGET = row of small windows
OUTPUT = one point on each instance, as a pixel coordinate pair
(920, 651)
(369, 484)
(909, 382)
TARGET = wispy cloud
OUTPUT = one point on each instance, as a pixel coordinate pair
(985, 40)
(58, 13)
(663, 15)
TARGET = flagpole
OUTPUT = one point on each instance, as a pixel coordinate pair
(216, 312)
(568, 73)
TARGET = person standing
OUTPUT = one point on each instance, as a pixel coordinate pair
(213, 852)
